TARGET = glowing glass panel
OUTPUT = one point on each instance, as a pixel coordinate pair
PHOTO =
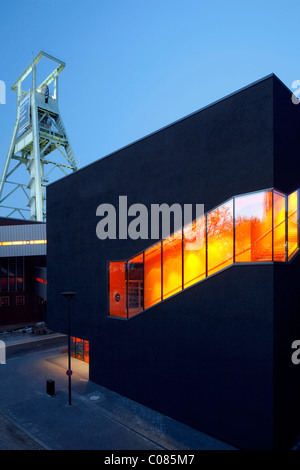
(220, 238)
(279, 231)
(135, 285)
(194, 246)
(292, 223)
(253, 227)
(80, 349)
(152, 276)
(117, 289)
(172, 264)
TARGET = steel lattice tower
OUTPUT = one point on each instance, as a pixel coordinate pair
(38, 131)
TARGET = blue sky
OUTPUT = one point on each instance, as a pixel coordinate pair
(134, 66)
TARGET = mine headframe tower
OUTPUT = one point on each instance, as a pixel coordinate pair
(38, 131)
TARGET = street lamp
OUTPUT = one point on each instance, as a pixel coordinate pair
(69, 296)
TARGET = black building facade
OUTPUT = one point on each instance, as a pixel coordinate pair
(216, 354)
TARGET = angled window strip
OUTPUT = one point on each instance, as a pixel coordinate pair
(259, 227)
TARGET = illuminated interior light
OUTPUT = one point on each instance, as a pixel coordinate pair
(23, 242)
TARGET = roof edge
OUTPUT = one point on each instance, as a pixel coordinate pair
(230, 95)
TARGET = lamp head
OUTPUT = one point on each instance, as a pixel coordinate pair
(68, 295)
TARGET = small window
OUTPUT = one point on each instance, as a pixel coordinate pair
(80, 349)
(4, 301)
(20, 300)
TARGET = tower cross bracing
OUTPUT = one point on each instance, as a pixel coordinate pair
(38, 132)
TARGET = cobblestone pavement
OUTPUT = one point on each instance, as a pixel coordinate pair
(13, 438)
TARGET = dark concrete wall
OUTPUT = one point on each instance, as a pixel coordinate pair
(205, 356)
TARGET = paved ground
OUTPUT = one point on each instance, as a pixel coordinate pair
(13, 438)
(97, 418)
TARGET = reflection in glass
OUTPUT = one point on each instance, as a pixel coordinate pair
(80, 349)
(11, 274)
(135, 283)
(86, 351)
(253, 227)
(292, 223)
(117, 289)
(152, 276)
(278, 226)
(72, 346)
(194, 252)
(220, 238)
(12, 283)
(249, 228)
(19, 283)
(172, 264)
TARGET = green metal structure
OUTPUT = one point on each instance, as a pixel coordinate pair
(37, 133)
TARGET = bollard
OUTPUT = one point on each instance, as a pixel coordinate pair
(51, 387)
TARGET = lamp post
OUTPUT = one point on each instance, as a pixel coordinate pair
(69, 296)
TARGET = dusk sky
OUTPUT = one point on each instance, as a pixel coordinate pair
(133, 66)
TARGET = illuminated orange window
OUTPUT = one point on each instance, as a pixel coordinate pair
(135, 283)
(80, 349)
(220, 238)
(117, 289)
(86, 351)
(279, 226)
(292, 223)
(172, 264)
(152, 276)
(73, 345)
(194, 246)
(253, 227)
